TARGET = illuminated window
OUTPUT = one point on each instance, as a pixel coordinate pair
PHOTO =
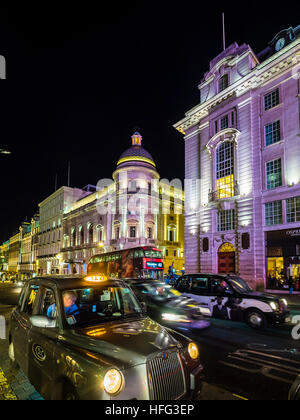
(225, 170)
(274, 174)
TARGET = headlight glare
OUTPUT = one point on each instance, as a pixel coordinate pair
(193, 351)
(274, 306)
(113, 382)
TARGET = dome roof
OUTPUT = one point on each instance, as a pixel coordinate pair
(136, 154)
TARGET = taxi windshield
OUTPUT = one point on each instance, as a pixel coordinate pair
(238, 284)
(158, 290)
(99, 304)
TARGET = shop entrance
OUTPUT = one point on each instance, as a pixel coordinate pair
(226, 258)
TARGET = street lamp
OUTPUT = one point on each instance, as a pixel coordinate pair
(5, 152)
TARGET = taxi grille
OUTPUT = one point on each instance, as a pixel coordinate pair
(166, 377)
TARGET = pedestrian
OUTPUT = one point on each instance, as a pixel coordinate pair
(291, 285)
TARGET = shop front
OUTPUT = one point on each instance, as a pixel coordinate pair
(283, 259)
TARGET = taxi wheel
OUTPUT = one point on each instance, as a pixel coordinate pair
(255, 319)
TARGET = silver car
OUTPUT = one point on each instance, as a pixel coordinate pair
(89, 338)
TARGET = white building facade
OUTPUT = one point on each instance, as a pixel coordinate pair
(51, 212)
(242, 165)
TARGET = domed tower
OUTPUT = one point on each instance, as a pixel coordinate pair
(136, 179)
(136, 155)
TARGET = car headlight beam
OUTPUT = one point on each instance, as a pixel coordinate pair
(113, 382)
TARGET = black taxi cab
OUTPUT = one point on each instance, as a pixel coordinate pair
(229, 297)
(89, 338)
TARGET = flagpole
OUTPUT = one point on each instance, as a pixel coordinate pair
(223, 22)
(69, 170)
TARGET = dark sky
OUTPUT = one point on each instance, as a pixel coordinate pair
(81, 79)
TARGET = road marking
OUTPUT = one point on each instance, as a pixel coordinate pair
(271, 366)
(241, 398)
(5, 389)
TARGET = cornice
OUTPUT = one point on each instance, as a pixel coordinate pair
(259, 76)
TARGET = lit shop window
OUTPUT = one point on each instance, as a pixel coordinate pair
(225, 170)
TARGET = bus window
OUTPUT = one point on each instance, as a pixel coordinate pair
(153, 254)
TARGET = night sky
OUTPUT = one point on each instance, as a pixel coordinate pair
(81, 80)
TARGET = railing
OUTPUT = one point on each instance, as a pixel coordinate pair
(224, 193)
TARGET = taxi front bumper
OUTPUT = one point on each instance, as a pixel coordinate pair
(278, 317)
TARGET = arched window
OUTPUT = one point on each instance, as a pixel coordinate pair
(99, 233)
(172, 233)
(73, 237)
(117, 230)
(90, 233)
(225, 170)
(80, 236)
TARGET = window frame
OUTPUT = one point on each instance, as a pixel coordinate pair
(228, 223)
(274, 133)
(279, 215)
(270, 185)
(295, 212)
(221, 85)
(270, 98)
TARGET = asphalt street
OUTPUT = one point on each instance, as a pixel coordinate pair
(239, 362)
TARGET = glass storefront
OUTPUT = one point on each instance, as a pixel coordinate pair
(283, 259)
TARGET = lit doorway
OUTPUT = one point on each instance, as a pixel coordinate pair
(226, 258)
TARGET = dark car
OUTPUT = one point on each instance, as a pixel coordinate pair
(167, 306)
(294, 394)
(227, 296)
(89, 338)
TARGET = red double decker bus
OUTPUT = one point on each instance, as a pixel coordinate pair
(143, 262)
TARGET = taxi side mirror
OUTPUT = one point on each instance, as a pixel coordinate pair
(42, 322)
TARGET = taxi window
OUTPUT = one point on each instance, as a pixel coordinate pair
(184, 283)
(200, 284)
(30, 305)
(48, 307)
(219, 286)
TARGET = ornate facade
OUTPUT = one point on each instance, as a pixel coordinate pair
(133, 209)
(242, 141)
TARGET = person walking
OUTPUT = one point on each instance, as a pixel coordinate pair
(291, 285)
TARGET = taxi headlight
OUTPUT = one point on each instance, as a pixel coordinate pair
(113, 382)
(274, 306)
(193, 351)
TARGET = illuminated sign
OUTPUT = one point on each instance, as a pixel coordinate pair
(152, 264)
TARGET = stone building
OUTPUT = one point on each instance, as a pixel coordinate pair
(133, 209)
(51, 212)
(242, 154)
